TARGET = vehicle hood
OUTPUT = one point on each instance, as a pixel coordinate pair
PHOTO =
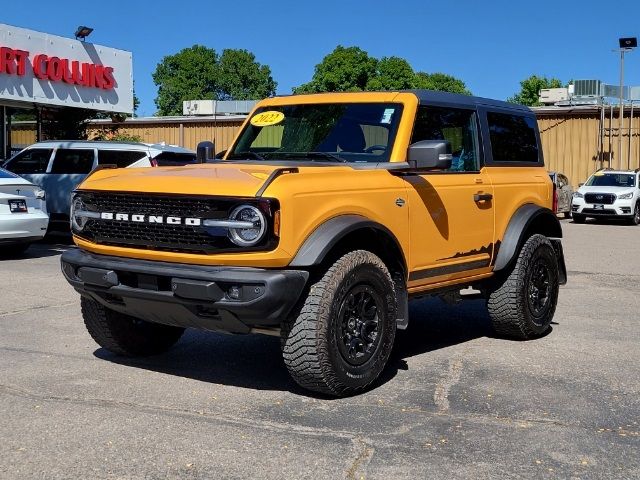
(615, 190)
(238, 180)
(14, 181)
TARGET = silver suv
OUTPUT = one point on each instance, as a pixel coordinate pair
(58, 166)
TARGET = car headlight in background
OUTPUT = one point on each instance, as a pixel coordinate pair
(247, 225)
(40, 195)
(625, 196)
(577, 195)
(80, 215)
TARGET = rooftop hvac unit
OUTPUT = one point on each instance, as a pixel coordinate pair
(549, 96)
(217, 107)
(587, 88)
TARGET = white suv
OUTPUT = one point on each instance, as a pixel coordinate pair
(608, 193)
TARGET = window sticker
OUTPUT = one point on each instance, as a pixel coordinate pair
(386, 116)
(266, 119)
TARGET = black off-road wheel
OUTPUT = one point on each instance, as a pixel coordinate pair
(635, 220)
(341, 340)
(125, 335)
(577, 218)
(522, 303)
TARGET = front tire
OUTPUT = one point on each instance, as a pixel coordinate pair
(635, 220)
(126, 335)
(522, 304)
(577, 218)
(342, 338)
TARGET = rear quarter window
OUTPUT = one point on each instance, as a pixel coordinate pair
(513, 138)
(174, 159)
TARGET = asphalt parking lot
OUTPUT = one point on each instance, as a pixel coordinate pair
(453, 403)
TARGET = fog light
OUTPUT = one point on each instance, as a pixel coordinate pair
(234, 293)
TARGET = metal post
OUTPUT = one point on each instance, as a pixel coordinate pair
(621, 109)
(3, 132)
(610, 133)
(631, 135)
(601, 139)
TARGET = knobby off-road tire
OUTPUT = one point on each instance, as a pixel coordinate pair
(522, 303)
(341, 340)
(126, 335)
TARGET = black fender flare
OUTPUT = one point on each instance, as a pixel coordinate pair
(514, 236)
(328, 234)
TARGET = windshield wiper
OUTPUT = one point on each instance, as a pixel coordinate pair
(312, 155)
(241, 155)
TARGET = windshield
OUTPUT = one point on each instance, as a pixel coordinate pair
(338, 132)
(612, 180)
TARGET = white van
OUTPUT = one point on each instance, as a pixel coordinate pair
(58, 166)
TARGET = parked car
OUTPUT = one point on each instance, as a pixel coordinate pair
(608, 194)
(23, 213)
(562, 194)
(59, 166)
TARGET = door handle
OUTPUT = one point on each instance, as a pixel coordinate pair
(482, 197)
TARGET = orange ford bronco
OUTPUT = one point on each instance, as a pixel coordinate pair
(323, 219)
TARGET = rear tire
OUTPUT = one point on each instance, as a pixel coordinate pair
(567, 214)
(342, 338)
(577, 218)
(126, 335)
(522, 304)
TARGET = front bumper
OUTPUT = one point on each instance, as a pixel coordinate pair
(620, 208)
(229, 299)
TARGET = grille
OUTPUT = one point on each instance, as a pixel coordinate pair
(162, 236)
(600, 198)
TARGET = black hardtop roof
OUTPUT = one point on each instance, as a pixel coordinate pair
(430, 97)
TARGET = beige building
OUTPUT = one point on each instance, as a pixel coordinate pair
(576, 140)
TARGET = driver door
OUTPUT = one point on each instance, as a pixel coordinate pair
(451, 211)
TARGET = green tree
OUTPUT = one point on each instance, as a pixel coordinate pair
(351, 69)
(392, 73)
(346, 69)
(196, 73)
(441, 82)
(530, 90)
(242, 78)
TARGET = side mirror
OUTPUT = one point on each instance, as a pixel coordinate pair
(429, 155)
(205, 151)
(580, 184)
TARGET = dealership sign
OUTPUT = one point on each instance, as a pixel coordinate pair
(42, 69)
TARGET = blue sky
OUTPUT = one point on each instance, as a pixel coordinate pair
(491, 45)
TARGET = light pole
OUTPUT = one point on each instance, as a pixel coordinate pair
(626, 45)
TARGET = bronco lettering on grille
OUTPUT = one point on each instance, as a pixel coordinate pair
(126, 217)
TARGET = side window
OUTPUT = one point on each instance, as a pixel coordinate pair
(72, 160)
(513, 138)
(458, 127)
(120, 158)
(34, 160)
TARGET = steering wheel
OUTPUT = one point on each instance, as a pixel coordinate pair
(373, 148)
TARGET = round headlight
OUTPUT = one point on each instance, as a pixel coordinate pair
(247, 237)
(78, 220)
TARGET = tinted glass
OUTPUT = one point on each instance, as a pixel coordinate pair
(5, 174)
(173, 159)
(612, 180)
(34, 160)
(120, 158)
(458, 127)
(342, 132)
(513, 138)
(72, 160)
